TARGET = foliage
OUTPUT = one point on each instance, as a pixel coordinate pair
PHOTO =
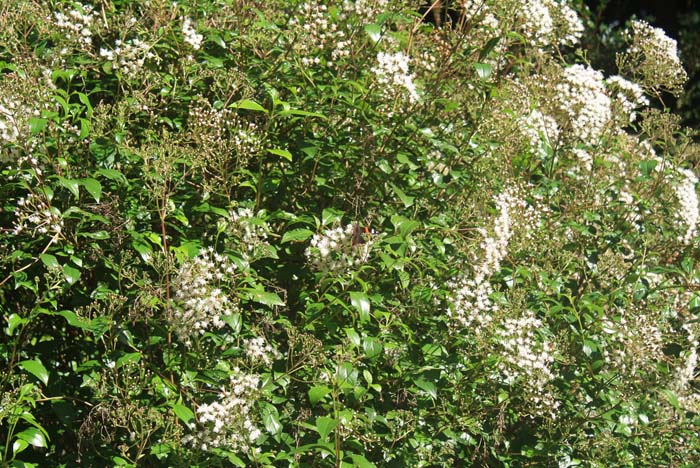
(242, 233)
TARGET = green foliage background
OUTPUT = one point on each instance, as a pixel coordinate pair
(141, 177)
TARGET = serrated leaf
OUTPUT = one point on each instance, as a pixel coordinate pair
(248, 105)
(72, 275)
(49, 260)
(93, 187)
(184, 414)
(361, 303)
(325, 425)
(317, 393)
(36, 368)
(33, 436)
(296, 235)
(281, 153)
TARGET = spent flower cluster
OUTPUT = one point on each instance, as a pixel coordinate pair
(653, 57)
(201, 303)
(228, 422)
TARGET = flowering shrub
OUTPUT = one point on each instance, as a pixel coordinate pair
(318, 233)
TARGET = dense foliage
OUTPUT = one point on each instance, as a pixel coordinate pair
(278, 233)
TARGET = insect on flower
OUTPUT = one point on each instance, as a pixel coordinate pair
(360, 234)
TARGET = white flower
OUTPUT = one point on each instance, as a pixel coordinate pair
(190, 34)
(392, 72)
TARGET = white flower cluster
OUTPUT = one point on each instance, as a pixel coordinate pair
(36, 215)
(392, 72)
(471, 305)
(227, 422)
(76, 22)
(190, 34)
(201, 303)
(364, 9)
(583, 97)
(338, 250)
(548, 23)
(655, 56)
(527, 359)
(627, 95)
(687, 373)
(258, 351)
(689, 210)
(635, 342)
(128, 57)
(584, 158)
(249, 229)
(537, 128)
(22, 97)
(318, 32)
(11, 121)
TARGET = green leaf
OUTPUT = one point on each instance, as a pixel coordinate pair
(112, 175)
(271, 420)
(483, 70)
(317, 393)
(36, 125)
(325, 425)
(263, 297)
(372, 347)
(71, 274)
(281, 153)
(70, 184)
(18, 446)
(33, 436)
(93, 187)
(36, 368)
(358, 461)
(296, 235)
(374, 31)
(361, 303)
(49, 260)
(405, 199)
(14, 321)
(248, 105)
(184, 414)
(426, 386)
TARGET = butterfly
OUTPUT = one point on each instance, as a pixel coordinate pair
(360, 234)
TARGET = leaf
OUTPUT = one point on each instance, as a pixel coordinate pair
(112, 175)
(317, 393)
(36, 368)
(49, 260)
(483, 70)
(281, 153)
(374, 31)
(71, 274)
(372, 347)
(296, 235)
(325, 425)
(271, 420)
(70, 184)
(263, 297)
(405, 199)
(93, 187)
(33, 436)
(426, 386)
(361, 303)
(184, 414)
(36, 125)
(248, 105)
(18, 446)
(361, 462)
